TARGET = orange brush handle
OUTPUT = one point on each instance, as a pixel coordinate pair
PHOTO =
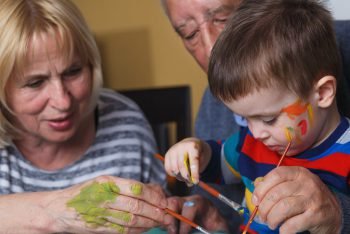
(257, 207)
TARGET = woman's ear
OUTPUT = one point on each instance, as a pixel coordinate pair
(326, 89)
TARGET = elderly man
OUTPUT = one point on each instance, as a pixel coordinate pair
(199, 23)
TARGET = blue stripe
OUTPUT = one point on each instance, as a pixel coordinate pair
(251, 169)
(324, 146)
(336, 181)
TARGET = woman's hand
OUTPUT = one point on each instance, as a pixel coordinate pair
(188, 154)
(298, 200)
(197, 209)
(110, 205)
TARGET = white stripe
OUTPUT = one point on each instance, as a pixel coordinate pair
(122, 113)
(125, 128)
(4, 168)
(16, 189)
(125, 142)
(104, 159)
(4, 183)
(106, 145)
(65, 183)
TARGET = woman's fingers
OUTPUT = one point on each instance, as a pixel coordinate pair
(132, 208)
(117, 203)
(138, 190)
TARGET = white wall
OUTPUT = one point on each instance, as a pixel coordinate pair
(340, 8)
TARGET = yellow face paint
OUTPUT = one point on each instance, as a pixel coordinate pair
(88, 203)
(310, 114)
(136, 189)
(288, 132)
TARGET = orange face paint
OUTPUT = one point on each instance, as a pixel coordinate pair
(295, 109)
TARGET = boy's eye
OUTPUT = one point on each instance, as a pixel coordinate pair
(269, 120)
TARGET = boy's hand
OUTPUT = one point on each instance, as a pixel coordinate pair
(186, 159)
(297, 200)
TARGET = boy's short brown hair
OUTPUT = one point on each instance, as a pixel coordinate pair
(289, 43)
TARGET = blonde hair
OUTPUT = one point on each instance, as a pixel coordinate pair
(20, 20)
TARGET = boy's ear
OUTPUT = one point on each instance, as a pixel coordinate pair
(326, 88)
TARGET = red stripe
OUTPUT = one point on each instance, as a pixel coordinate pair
(250, 231)
(337, 163)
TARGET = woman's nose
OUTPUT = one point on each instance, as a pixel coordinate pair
(60, 97)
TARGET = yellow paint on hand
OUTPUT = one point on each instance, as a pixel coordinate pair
(90, 202)
(187, 165)
(258, 180)
(136, 189)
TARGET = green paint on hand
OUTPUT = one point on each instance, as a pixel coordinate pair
(136, 189)
(122, 215)
(88, 203)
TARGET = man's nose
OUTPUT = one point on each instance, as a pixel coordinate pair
(209, 36)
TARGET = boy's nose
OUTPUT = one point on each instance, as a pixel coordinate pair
(258, 131)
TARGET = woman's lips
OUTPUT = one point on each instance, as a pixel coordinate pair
(61, 124)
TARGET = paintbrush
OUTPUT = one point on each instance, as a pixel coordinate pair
(234, 205)
(255, 211)
(184, 219)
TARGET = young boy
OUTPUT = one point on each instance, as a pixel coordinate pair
(277, 65)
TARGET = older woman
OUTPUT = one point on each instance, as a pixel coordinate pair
(61, 133)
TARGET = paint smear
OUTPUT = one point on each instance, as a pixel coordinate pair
(295, 109)
(90, 201)
(187, 166)
(288, 132)
(310, 114)
(303, 126)
(136, 189)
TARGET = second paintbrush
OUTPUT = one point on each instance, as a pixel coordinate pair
(234, 205)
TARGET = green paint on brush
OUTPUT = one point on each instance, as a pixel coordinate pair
(89, 201)
(136, 189)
